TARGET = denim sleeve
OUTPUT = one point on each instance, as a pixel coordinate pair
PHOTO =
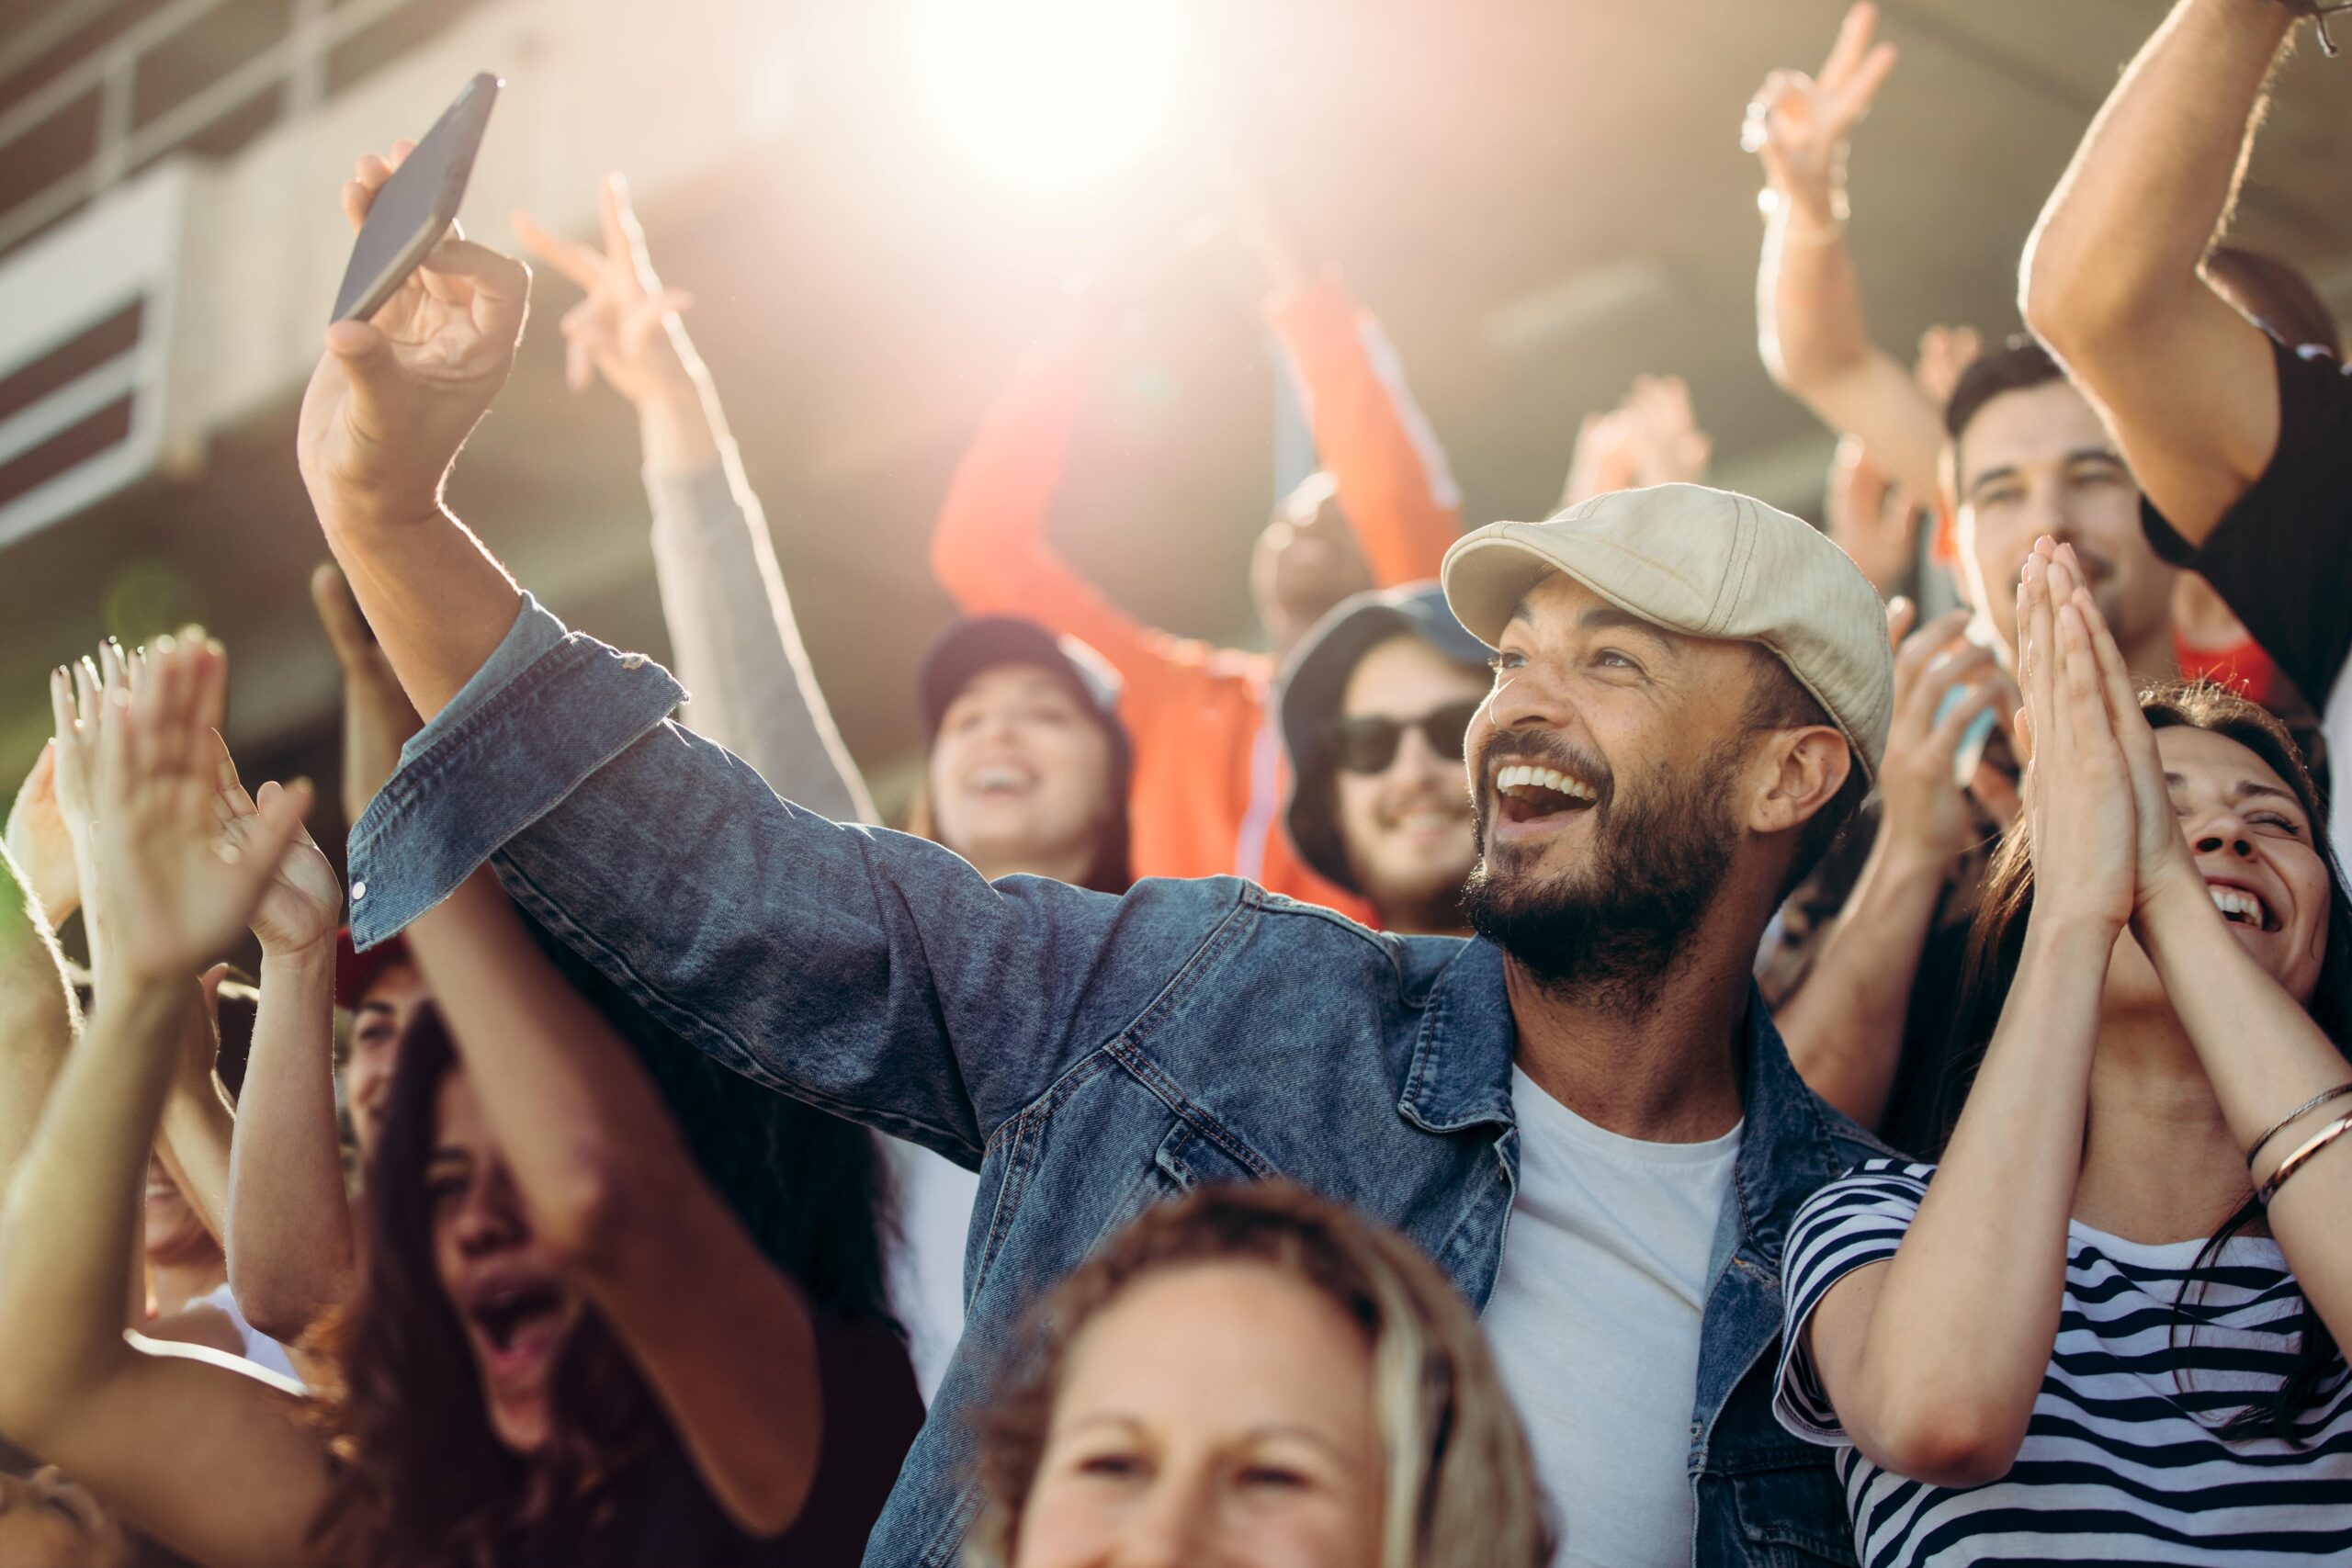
(872, 974)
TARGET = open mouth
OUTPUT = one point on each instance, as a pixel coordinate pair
(1001, 781)
(1526, 793)
(2242, 906)
(517, 1321)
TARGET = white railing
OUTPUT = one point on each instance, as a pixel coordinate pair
(293, 65)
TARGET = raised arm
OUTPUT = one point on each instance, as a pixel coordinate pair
(989, 549)
(2111, 279)
(389, 405)
(1933, 1359)
(730, 622)
(1846, 1022)
(214, 1461)
(612, 1188)
(291, 1256)
(1810, 327)
(2262, 1053)
(1394, 486)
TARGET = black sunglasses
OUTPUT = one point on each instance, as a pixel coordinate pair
(1368, 744)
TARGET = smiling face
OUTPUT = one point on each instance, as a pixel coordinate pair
(1616, 774)
(171, 1234)
(46, 1521)
(1020, 776)
(2255, 846)
(378, 1022)
(2037, 461)
(1216, 1413)
(506, 1288)
(1405, 823)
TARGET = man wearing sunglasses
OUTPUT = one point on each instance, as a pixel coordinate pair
(1373, 707)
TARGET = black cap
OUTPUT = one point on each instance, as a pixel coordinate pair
(980, 643)
(1316, 681)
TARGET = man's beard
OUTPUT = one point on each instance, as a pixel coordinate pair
(1610, 933)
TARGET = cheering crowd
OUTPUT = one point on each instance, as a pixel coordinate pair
(1617, 1040)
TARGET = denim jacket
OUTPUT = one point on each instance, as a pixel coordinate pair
(1089, 1055)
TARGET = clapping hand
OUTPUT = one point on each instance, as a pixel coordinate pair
(627, 328)
(1799, 125)
(1651, 437)
(49, 827)
(394, 398)
(177, 891)
(301, 905)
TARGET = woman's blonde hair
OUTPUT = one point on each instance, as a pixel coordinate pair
(1459, 1485)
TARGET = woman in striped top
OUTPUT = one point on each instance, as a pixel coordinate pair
(2083, 1340)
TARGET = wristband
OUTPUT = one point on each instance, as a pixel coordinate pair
(2289, 1120)
(2296, 1161)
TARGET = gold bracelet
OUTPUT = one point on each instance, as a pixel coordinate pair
(2295, 1162)
(2289, 1120)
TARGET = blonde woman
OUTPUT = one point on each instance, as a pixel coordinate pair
(1257, 1376)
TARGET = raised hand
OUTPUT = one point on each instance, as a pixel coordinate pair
(39, 843)
(1870, 517)
(2080, 807)
(175, 891)
(393, 399)
(1945, 355)
(627, 328)
(301, 905)
(1651, 437)
(378, 718)
(1800, 124)
(1927, 820)
(2163, 859)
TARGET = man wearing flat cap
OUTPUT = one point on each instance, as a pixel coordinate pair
(1691, 690)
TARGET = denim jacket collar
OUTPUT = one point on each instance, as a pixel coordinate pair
(1461, 1072)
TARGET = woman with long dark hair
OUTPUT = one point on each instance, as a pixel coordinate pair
(2106, 1325)
(567, 1349)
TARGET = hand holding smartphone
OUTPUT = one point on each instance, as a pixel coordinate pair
(417, 206)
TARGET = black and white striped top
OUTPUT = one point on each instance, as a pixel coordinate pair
(2117, 1466)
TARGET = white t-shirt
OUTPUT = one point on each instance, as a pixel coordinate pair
(935, 1199)
(1594, 1321)
(259, 1347)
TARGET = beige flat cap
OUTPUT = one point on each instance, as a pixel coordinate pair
(1706, 563)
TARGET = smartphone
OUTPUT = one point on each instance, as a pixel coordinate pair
(1978, 736)
(417, 205)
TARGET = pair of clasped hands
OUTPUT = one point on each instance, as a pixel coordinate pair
(2106, 841)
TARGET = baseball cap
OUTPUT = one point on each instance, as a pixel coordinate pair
(980, 643)
(355, 971)
(1706, 563)
(1314, 682)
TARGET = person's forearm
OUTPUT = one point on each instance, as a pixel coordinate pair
(197, 1127)
(1844, 1026)
(732, 630)
(2264, 1056)
(292, 1258)
(577, 1120)
(2122, 237)
(438, 599)
(1964, 1324)
(67, 1226)
(37, 1014)
(1815, 345)
(682, 428)
(1394, 484)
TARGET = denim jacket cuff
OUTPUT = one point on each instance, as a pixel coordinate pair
(546, 710)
